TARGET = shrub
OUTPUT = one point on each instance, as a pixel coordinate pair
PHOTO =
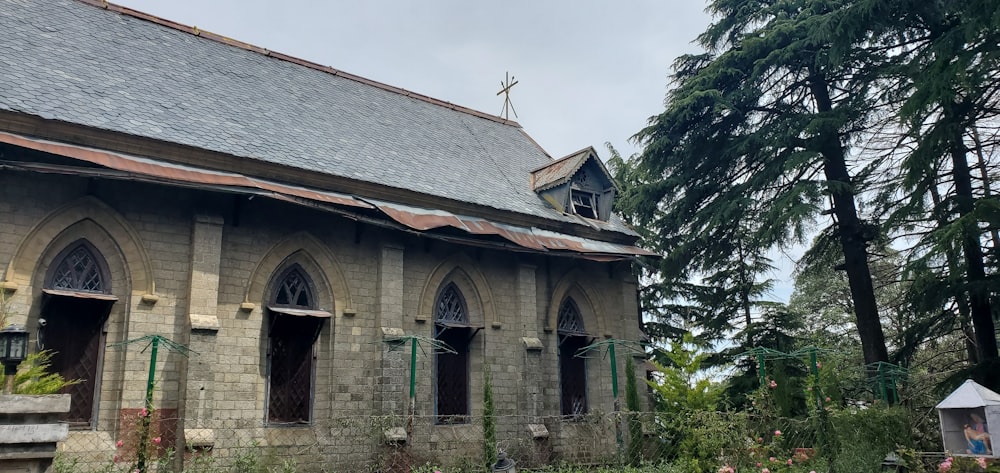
(33, 376)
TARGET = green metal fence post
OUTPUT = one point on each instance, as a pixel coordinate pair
(761, 370)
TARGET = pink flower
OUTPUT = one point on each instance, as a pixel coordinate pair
(156, 440)
(789, 462)
(760, 439)
(828, 399)
(777, 433)
(144, 412)
(765, 470)
(726, 469)
(773, 384)
(119, 444)
(812, 471)
(116, 458)
(819, 364)
(945, 466)
(759, 464)
(772, 459)
(810, 388)
(982, 462)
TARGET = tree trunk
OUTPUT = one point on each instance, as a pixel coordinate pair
(853, 238)
(975, 268)
(985, 176)
(745, 286)
(952, 257)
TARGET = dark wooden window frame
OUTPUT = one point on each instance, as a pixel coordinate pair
(295, 311)
(573, 399)
(584, 203)
(96, 297)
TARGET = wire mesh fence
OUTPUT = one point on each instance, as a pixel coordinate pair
(614, 441)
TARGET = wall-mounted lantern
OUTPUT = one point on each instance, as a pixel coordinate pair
(13, 350)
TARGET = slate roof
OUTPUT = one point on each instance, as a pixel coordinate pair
(70, 61)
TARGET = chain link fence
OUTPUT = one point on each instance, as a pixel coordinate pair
(856, 441)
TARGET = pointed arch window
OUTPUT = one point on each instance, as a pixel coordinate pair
(572, 368)
(80, 270)
(294, 324)
(76, 303)
(451, 370)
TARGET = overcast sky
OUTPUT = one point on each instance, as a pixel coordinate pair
(589, 72)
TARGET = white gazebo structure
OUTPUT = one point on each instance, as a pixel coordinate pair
(966, 416)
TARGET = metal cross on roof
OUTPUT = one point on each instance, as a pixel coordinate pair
(505, 87)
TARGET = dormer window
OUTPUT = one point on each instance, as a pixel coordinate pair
(578, 184)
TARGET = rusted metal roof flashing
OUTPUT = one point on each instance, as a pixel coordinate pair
(416, 220)
(194, 30)
(563, 169)
(175, 172)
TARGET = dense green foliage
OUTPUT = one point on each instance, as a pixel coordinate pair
(683, 384)
(489, 421)
(866, 128)
(634, 453)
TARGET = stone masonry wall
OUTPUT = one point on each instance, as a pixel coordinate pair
(195, 267)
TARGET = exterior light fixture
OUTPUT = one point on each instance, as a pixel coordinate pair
(503, 463)
(13, 350)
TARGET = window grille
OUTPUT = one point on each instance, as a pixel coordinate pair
(293, 289)
(290, 350)
(78, 270)
(570, 321)
(450, 306)
(451, 326)
(290, 380)
(74, 329)
(572, 368)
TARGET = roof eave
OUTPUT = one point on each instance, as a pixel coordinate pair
(71, 133)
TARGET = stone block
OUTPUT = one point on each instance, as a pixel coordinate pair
(199, 438)
(22, 404)
(33, 433)
(538, 431)
(532, 343)
(395, 435)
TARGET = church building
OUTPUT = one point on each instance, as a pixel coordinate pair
(296, 229)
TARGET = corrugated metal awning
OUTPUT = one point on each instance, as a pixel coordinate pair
(300, 312)
(81, 295)
(414, 218)
(176, 172)
(533, 238)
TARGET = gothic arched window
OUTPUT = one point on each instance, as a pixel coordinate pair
(451, 326)
(79, 268)
(294, 325)
(572, 368)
